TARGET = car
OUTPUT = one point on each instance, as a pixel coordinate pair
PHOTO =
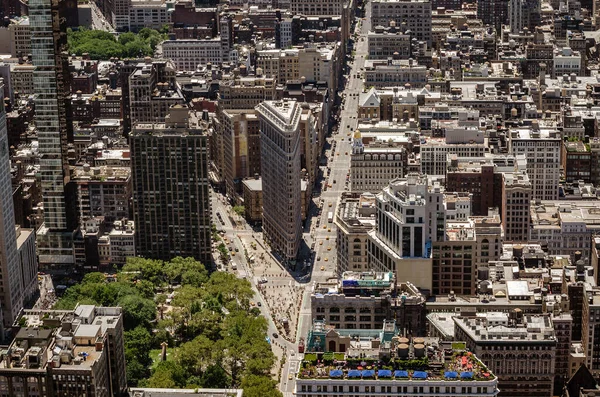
(318, 258)
(322, 268)
(275, 335)
(237, 249)
(330, 204)
(334, 181)
(328, 248)
(290, 376)
(233, 254)
(252, 303)
(258, 304)
(321, 242)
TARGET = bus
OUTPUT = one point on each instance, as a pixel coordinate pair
(330, 216)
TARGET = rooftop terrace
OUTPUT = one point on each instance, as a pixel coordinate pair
(419, 359)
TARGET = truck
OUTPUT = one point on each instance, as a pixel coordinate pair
(330, 216)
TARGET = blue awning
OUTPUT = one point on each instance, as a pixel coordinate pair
(400, 374)
(336, 373)
(384, 373)
(368, 373)
(420, 375)
(450, 374)
(466, 375)
(354, 373)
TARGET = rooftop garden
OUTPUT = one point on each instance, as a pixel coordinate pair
(457, 366)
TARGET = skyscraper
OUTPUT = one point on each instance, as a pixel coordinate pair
(411, 216)
(12, 290)
(280, 166)
(54, 128)
(493, 12)
(171, 198)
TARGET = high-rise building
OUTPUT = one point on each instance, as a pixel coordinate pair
(520, 349)
(524, 14)
(226, 35)
(171, 197)
(542, 148)
(280, 147)
(590, 331)
(327, 7)
(152, 91)
(411, 215)
(374, 165)
(18, 273)
(493, 12)
(448, 368)
(516, 200)
(54, 128)
(355, 217)
(241, 147)
(416, 14)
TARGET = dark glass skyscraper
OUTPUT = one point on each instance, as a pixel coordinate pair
(51, 79)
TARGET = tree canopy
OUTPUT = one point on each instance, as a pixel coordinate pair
(212, 341)
(104, 45)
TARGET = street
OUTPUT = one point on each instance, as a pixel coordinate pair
(282, 295)
(47, 294)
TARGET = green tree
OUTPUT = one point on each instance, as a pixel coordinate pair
(168, 374)
(215, 377)
(239, 210)
(145, 288)
(128, 37)
(138, 342)
(94, 277)
(149, 269)
(135, 371)
(195, 356)
(137, 311)
(259, 386)
(137, 48)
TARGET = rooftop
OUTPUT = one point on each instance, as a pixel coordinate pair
(386, 355)
(503, 327)
(62, 339)
(150, 392)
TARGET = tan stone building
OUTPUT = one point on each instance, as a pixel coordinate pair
(241, 148)
(355, 217)
(280, 141)
(516, 199)
(253, 199)
(520, 349)
(364, 300)
(374, 165)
